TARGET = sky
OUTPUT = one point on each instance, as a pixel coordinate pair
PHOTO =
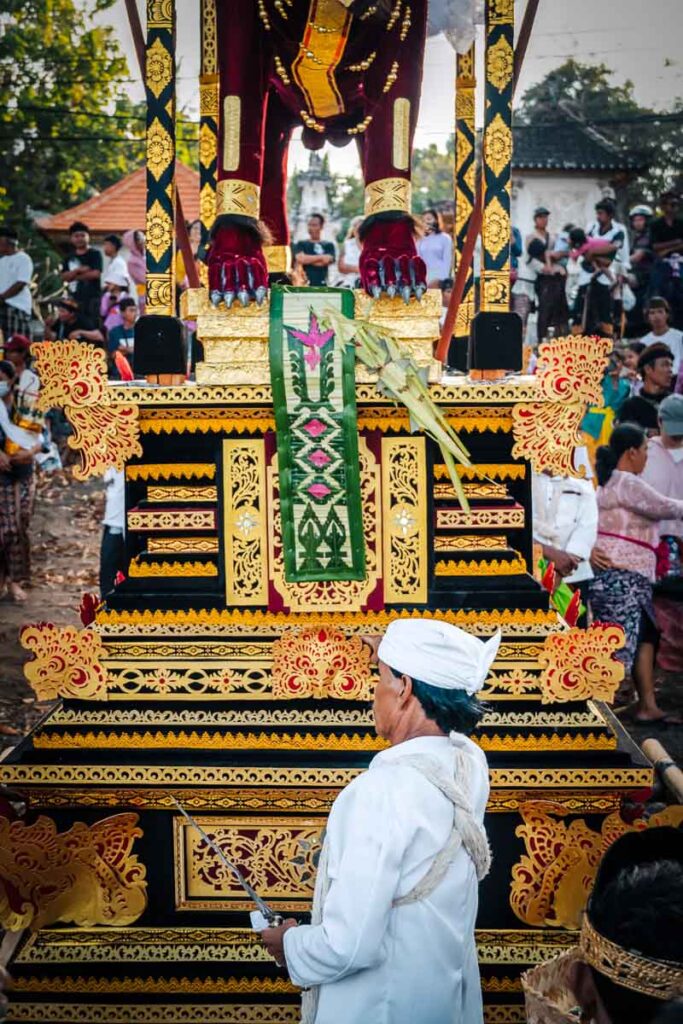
(639, 40)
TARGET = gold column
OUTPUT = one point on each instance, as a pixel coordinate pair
(161, 148)
(208, 118)
(497, 156)
(465, 169)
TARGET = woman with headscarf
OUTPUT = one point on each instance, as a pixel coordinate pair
(629, 511)
(134, 241)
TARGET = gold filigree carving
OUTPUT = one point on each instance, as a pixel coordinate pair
(387, 194)
(570, 373)
(87, 875)
(500, 12)
(156, 1013)
(159, 233)
(486, 567)
(159, 295)
(244, 521)
(156, 986)
(66, 662)
(498, 149)
(280, 856)
(172, 471)
(173, 519)
(580, 664)
(177, 681)
(221, 776)
(104, 436)
(183, 545)
(482, 470)
(482, 622)
(470, 542)
(499, 63)
(232, 113)
(71, 374)
(496, 291)
(205, 740)
(160, 14)
(332, 595)
(160, 150)
(207, 149)
(158, 67)
(496, 231)
(151, 570)
(484, 518)
(487, 490)
(404, 511)
(320, 717)
(161, 495)
(401, 134)
(236, 196)
(209, 39)
(143, 945)
(207, 203)
(551, 882)
(546, 741)
(322, 664)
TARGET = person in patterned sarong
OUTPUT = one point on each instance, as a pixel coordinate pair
(629, 511)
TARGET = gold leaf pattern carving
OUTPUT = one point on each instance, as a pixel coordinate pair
(159, 69)
(580, 664)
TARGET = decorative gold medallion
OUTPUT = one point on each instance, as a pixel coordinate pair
(240, 197)
(321, 663)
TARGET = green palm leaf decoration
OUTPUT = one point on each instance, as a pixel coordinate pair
(400, 378)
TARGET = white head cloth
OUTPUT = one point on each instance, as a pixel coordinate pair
(438, 654)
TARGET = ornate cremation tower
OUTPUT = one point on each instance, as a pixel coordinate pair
(228, 669)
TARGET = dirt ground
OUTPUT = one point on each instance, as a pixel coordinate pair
(65, 534)
(66, 537)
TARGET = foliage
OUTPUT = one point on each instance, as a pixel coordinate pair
(347, 196)
(433, 175)
(585, 92)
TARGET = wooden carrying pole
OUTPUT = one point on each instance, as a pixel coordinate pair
(474, 229)
(182, 236)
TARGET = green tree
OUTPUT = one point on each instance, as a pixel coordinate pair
(68, 129)
(432, 174)
(585, 92)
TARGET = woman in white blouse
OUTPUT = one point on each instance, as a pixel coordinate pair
(436, 249)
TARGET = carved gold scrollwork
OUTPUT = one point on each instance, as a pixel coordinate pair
(580, 664)
(552, 881)
(280, 855)
(244, 504)
(159, 149)
(405, 519)
(570, 373)
(496, 228)
(159, 295)
(321, 663)
(87, 875)
(499, 63)
(66, 662)
(159, 67)
(159, 230)
(106, 436)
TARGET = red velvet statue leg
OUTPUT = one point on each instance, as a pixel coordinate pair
(389, 261)
(279, 124)
(237, 266)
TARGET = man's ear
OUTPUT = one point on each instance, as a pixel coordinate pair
(406, 689)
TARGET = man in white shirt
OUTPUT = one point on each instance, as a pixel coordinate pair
(565, 518)
(117, 266)
(113, 547)
(391, 939)
(658, 315)
(594, 302)
(16, 271)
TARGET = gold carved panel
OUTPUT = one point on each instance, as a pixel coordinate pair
(404, 514)
(278, 858)
(244, 522)
(332, 595)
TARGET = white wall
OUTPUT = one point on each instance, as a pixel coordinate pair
(570, 197)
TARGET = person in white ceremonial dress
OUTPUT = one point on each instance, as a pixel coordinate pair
(391, 939)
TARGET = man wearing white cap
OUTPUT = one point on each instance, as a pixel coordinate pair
(391, 939)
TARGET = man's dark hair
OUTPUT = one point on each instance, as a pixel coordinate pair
(637, 347)
(126, 303)
(608, 205)
(115, 241)
(8, 368)
(577, 236)
(637, 903)
(658, 302)
(452, 710)
(657, 350)
(320, 218)
(446, 283)
(8, 232)
(78, 225)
